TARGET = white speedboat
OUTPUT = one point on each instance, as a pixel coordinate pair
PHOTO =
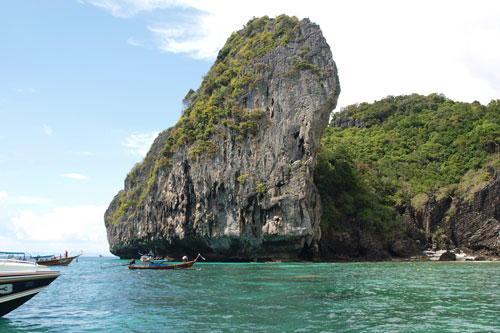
(20, 280)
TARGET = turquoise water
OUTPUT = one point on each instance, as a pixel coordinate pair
(91, 295)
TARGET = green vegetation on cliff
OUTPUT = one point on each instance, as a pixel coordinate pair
(235, 72)
(346, 199)
(216, 111)
(411, 145)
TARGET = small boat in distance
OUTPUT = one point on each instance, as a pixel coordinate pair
(46, 260)
(20, 280)
(147, 257)
(151, 256)
(164, 264)
(52, 260)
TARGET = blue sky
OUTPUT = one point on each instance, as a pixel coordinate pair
(85, 85)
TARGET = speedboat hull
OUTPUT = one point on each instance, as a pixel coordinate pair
(18, 284)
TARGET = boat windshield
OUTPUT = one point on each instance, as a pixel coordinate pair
(12, 255)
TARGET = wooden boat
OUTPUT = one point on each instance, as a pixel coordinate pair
(54, 261)
(163, 264)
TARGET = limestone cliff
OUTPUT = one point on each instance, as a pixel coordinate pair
(469, 222)
(234, 178)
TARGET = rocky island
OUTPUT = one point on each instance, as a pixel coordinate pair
(234, 178)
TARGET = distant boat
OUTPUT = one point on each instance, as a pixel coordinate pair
(151, 256)
(164, 264)
(51, 260)
(20, 280)
(147, 257)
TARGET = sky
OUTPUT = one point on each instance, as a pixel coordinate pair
(86, 85)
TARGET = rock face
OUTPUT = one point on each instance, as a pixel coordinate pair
(347, 122)
(470, 223)
(241, 187)
(476, 222)
(353, 245)
(448, 256)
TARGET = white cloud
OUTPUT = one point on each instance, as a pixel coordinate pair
(130, 8)
(74, 176)
(28, 200)
(386, 47)
(73, 228)
(26, 91)
(133, 42)
(47, 130)
(83, 223)
(192, 33)
(140, 143)
(20, 200)
(43, 229)
(196, 37)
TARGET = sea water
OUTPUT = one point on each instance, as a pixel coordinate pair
(95, 294)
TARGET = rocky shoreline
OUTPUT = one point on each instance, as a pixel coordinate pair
(454, 255)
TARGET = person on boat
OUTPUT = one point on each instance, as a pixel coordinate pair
(66, 254)
(132, 262)
(185, 259)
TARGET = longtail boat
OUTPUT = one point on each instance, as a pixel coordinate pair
(54, 261)
(163, 264)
